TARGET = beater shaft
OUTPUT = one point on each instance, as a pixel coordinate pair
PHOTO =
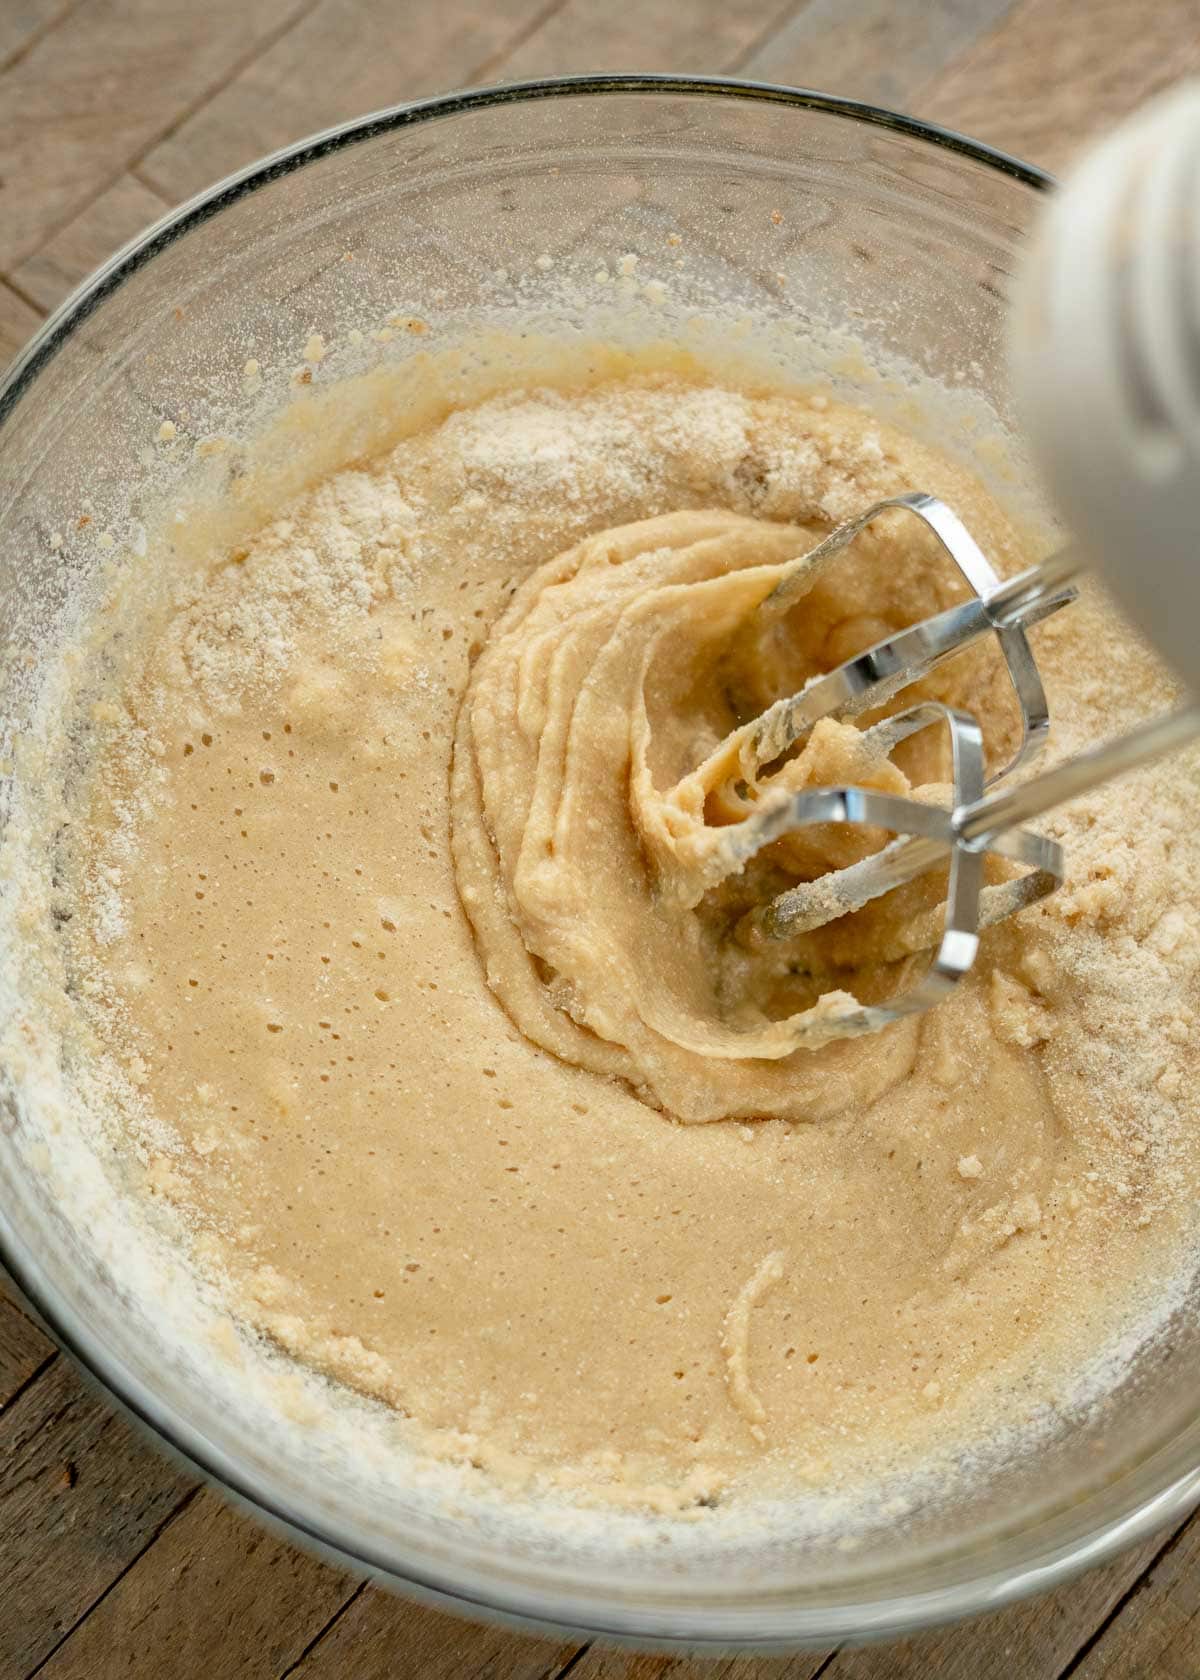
(982, 818)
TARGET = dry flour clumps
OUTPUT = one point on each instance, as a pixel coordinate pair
(347, 546)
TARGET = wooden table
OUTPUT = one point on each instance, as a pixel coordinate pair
(113, 1561)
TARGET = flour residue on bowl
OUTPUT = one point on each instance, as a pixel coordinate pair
(436, 1156)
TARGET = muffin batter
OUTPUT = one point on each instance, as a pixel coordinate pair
(404, 904)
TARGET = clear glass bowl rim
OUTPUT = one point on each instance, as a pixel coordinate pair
(759, 1624)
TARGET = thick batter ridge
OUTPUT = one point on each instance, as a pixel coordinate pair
(404, 898)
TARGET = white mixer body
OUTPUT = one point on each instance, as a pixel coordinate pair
(1106, 366)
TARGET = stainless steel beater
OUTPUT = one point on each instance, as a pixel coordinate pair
(1106, 358)
(985, 816)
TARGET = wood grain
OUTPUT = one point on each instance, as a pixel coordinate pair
(1156, 1636)
(654, 35)
(81, 1495)
(1052, 75)
(22, 22)
(24, 1349)
(344, 58)
(873, 49)
(19, 320)
(604, 1663)
(87, 100)
(227, 1599)
(123, 210)
(380, 1637)
(1036, 1640)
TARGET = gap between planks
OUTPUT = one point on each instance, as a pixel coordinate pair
(156, 1534)
(18, 41)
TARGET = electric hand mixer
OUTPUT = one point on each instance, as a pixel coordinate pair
(1106, 362)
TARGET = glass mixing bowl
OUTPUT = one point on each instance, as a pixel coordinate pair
(754, 205)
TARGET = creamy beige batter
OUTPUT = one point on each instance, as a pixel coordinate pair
(405, 904)
(603, 790)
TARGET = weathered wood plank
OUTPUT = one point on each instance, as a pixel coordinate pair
(1035, 1640)
(89, 98)
(1156, 1636)
(18, 322)
(87, 240)
(24, 1348)
(873, 49)
(1052, 75)
(22, 22)
(81, 1494)
(655, 35)
(216, 1596)
(380, 1637)
(344, 58)
(603, 1663)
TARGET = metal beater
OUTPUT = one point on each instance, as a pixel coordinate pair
(1106, 358)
